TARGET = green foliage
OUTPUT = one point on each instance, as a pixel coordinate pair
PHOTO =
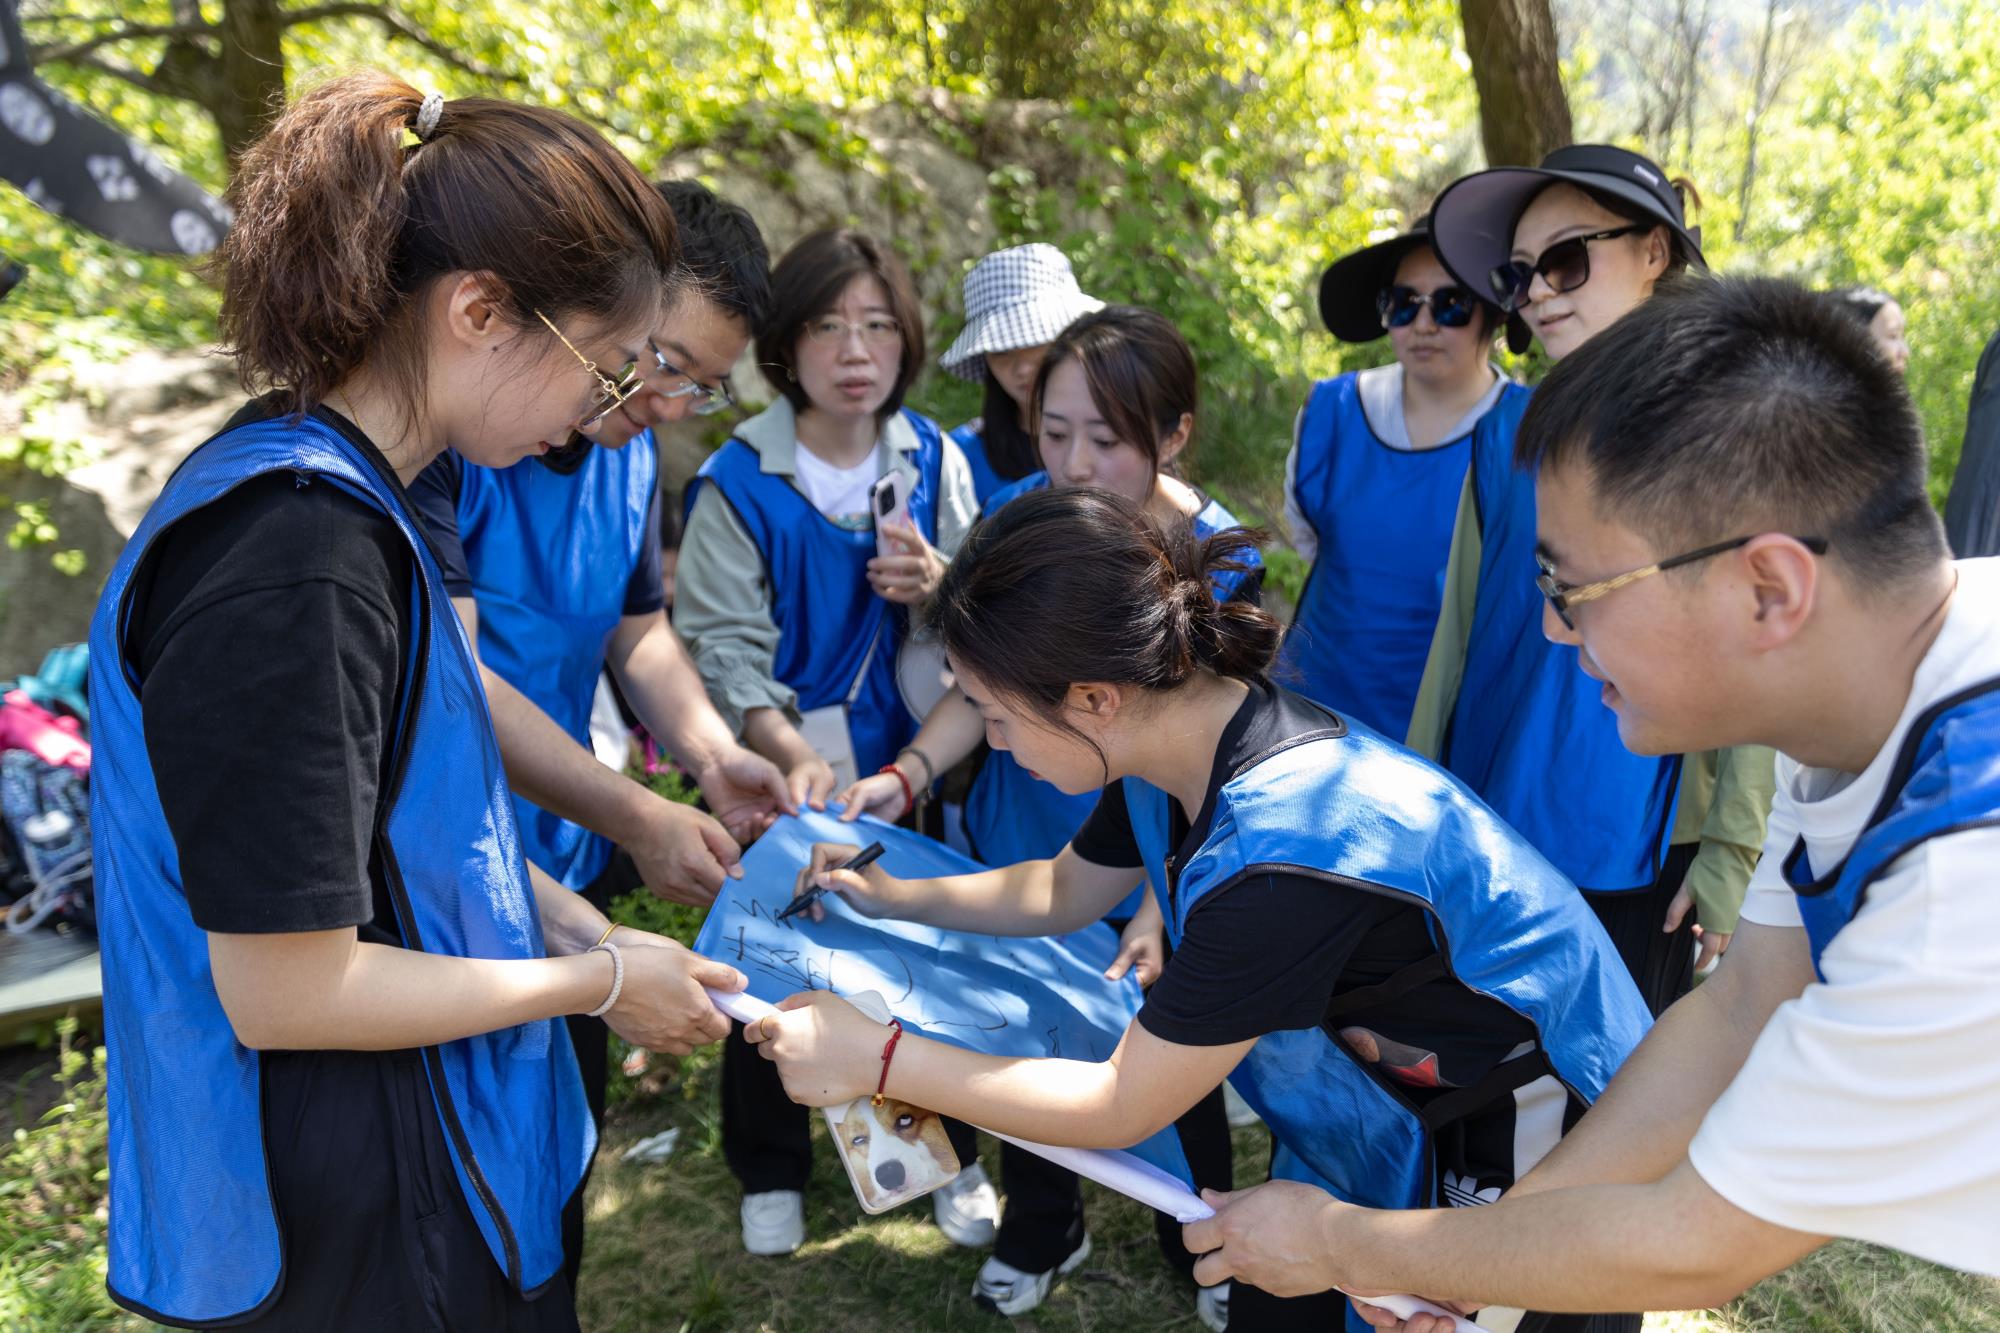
(52, 1179)
(1887, 177)
(1878, 167)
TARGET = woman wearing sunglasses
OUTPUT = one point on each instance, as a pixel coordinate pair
(338, 1095)
(795, 620)
(1569, 248)
(1377, 474)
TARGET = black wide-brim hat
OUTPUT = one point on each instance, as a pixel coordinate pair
(1348, 288)
(1472, 223)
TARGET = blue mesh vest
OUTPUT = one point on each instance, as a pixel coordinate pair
(831, 625)
(1529, 732)
(550, 557)
(971, 441)
(1350, 808)
(1384, 518)
(1012, 817)
(1946, 780)
(193, 1238)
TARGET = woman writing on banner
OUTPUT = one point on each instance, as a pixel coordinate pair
(1115, 405)
(794, 619)
(1414, 1001)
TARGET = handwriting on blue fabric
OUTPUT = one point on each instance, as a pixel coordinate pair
(1035, 997)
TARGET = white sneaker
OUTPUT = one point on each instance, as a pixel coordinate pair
(967, 1209)
(1006, 1290)
(1211, 1306)
(774, 1222)
(1239, 1112)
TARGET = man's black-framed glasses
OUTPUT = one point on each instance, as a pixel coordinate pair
(705, 400)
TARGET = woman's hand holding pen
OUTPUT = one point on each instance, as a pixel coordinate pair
(869, 891)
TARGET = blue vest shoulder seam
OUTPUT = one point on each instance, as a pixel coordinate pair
(1338, 731)
(1892, 791)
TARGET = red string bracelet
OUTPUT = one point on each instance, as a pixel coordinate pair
(909, 794)
(888, 1051)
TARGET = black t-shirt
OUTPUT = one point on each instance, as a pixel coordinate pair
(269, 631)
(435, 494)
(1269, 952)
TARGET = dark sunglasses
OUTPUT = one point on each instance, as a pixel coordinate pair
(1452, 306)
(1566, 266)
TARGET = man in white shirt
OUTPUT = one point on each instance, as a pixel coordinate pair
(1736, 537)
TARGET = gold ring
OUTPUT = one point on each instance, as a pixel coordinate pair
(764, 1026)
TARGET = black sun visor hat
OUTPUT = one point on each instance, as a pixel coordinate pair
(1350, 287)
(1472, 223)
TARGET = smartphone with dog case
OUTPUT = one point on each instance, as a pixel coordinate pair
(894, 1152)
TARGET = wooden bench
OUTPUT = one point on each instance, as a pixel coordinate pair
(45, 974)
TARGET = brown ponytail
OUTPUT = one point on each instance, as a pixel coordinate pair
(1074, 584)
(341, 227)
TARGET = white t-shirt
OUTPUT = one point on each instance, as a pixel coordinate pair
(1870, 1105)
(840, 493)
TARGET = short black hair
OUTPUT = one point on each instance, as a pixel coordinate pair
(1725, 406)
(723, 255)
(807, 284)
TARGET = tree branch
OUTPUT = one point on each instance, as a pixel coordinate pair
(403, 28)
(128, 32)
(137, 78)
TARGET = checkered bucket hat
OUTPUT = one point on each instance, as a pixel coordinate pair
(1015, 298)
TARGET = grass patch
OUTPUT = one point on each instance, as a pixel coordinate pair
(664, 1249)
(664, 1252)
(52, 1177)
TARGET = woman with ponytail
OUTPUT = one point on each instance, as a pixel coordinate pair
(1114, 404)
(1413, 1000)
(339, 1094)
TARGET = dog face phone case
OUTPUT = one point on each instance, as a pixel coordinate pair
(893, 1152)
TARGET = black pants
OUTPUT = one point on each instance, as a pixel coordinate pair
(377, 1232)
(1662, 964)
(1043, 1218)
(592, 1039)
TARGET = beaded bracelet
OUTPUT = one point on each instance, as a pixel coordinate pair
(909, 796)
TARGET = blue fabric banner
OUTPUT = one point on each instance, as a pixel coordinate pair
(1033, 997)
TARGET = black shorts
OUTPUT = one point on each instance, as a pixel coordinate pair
(377, 1234)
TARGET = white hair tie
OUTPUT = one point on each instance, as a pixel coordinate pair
(428, 116)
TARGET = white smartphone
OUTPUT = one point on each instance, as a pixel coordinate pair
(889, 502)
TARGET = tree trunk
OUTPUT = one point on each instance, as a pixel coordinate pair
(1748, 183)
(250, 89)
(1523, 112)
